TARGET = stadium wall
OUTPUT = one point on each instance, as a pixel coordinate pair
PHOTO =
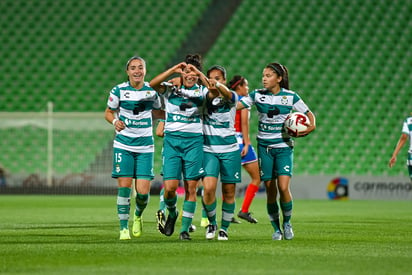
(326, 187)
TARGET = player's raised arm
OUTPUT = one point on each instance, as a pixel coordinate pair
(156, 82)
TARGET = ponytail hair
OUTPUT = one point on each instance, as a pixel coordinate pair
(236, 81)
(195, 60)
(282, 71)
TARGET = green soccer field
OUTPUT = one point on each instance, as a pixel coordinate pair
(79, 235)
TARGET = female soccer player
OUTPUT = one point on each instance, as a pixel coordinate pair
(406, 133)
(183, 139)
(275, 147)
(129, 109)
(240, 85)
(221, 153)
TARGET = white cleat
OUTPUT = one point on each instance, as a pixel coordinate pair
(277, 236)
(288, 231)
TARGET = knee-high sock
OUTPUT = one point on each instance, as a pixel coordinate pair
(286, 210)
(171, 206)
(162, 205)
(228, 210)
(189, 208)
(141, 203)
(210, 210)
(123, 206)
(249, 195)
(273, 212)
(204, 212)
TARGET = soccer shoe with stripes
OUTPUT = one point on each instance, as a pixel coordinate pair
(184, 236)
(277, 236)
(222, 235)
(124, 234)
(137, 226)
(211, 231)
(288, 231)
(247, 216)
(170, 224)
(161, 219)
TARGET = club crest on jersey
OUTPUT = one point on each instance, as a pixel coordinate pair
(284, 100)
(148, 94)
(196, 92)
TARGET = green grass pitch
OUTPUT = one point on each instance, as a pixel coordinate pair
(79, 235)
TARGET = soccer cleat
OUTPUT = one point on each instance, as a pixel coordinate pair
(277, 236)
(222, 235)
(234, 220)
(137, 226)
(211, 231)
(161, 219)
(184, 236)
(124, 234)
(247, 216)
(288, 231)
(204, 222)
(170, 224)
(192, 228)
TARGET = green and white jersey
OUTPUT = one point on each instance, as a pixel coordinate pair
(272, 112)
(184, 111)
(134, 107)
(219, 125)
(407, 129)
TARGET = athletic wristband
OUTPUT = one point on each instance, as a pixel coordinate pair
(114, 121)
(161, 120)
(218, 84)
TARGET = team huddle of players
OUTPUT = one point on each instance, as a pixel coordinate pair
(205, 137)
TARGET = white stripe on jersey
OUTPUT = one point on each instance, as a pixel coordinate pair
(272, 112)
(136, 149)
(221, 148)
(221, 124)
(187, 119)
(134, 108)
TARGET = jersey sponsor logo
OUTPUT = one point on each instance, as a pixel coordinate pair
(286, 168)
(126, 95)
(131, 122)
(237, 175)
(183, 118)
(270, 127)
(217, 124)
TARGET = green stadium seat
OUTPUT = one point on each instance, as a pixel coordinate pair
(334, 51)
